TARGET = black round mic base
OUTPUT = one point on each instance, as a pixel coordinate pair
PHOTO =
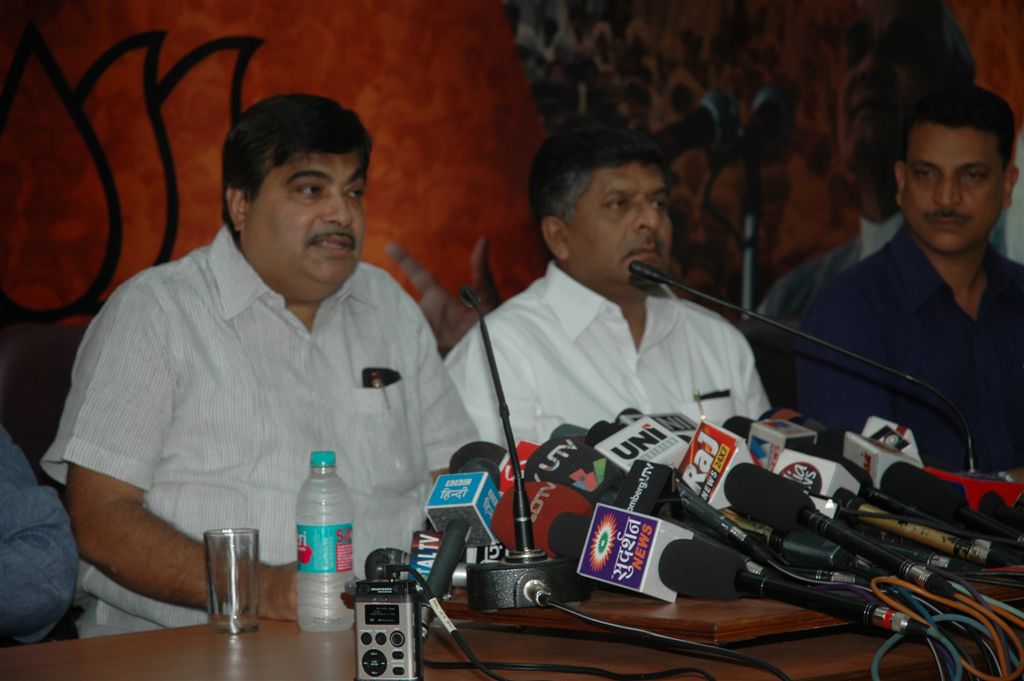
(496, 586)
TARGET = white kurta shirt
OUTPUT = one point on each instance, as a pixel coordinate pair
(197, 385)
(566, 356)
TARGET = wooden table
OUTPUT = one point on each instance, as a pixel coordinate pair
(280, 651)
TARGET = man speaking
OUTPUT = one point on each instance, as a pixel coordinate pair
(589, 339)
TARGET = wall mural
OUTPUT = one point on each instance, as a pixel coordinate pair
(112, 115)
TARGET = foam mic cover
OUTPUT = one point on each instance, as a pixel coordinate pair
(547, 501)
(601, 430)
(576, 465)
(766, 497)
(994, 505)
(628, 415)
(478, 456)
(701, 569)
(567, 534)
(739, 425)
(913, 486)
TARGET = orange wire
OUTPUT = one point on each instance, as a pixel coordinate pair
(969, 608)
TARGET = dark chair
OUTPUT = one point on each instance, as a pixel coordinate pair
(35, 375)
(774, 356)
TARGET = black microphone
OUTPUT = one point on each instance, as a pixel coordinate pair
(782, 504)
(526, 573)
(704, 570)
(918, 488)
(653, 274)
(992, 504)
(715, 122)
(478, 456)
(771, 119)
(576, 465)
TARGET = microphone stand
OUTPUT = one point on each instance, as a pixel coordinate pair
(526, 572)
(653, 274)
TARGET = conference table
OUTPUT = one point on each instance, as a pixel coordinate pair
(805, 645)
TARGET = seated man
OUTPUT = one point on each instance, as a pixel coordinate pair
(937, 301)
(203, 384)
(589, 339)
(38, 559)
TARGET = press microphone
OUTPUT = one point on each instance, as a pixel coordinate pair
(601, 431)
(478, 456)
(653, 274)
(504, 584)
(704, 570)
(547, 501)
(713, 451)
(576, 465)
(643, 440)
(918, 488)
(771, 118)
(677, 423)
(976, 551)
(715, 122)
(993, 505)
(782, 504)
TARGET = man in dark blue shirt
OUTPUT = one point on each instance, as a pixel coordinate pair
(937, 301)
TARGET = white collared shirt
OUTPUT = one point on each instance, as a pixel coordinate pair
(566, 355)
(197, 385)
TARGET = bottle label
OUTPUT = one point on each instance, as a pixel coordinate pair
(324, 548)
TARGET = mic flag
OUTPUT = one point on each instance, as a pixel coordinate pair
(713, 451)
(624, 549)
(576, 465)
(469, 497)
(643, 440)
(892, 434)
(424, 551)
(770, 437)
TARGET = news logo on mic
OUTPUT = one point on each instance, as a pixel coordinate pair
(713, 451)
(768, 439)
(623, 549)
(465, 496)
(643, 440)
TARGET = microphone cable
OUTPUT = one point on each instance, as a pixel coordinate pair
(488, 667)
(670, 641)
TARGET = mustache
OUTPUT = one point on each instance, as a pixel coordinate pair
(317, 236)
(946, 215)
(646, 243)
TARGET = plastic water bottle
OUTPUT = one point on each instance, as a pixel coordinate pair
(323, 519)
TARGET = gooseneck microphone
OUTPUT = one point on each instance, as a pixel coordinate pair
(524, 551)
(653, 274)
(526, 572)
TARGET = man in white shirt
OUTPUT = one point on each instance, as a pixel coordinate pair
(589, 339)
(203, 384)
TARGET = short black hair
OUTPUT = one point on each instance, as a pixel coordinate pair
(275, 130)
(561, 169)
(967, 107)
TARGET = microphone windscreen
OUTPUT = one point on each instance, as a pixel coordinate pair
(739, 425)
(568, 430)
(700, 569)
(547, 501)
(478, 456)
(574, 465)
(766, 497)
(567, 535)
(990, 503)
(601, 431)
(378, 560)
(913, 486)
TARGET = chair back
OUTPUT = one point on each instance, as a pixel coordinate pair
(35, 376)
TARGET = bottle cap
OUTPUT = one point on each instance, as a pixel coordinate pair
(321, 459)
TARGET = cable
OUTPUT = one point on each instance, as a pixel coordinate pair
(895, 639)
(693, 646)
(988, 618)
(567, 669)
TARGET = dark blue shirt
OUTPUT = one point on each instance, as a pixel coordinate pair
(895, 308)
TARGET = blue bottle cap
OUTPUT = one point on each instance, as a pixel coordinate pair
(321, 459)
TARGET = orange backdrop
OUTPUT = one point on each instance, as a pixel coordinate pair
(111, 107)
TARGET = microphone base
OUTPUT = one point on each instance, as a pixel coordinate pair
(501, 585)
